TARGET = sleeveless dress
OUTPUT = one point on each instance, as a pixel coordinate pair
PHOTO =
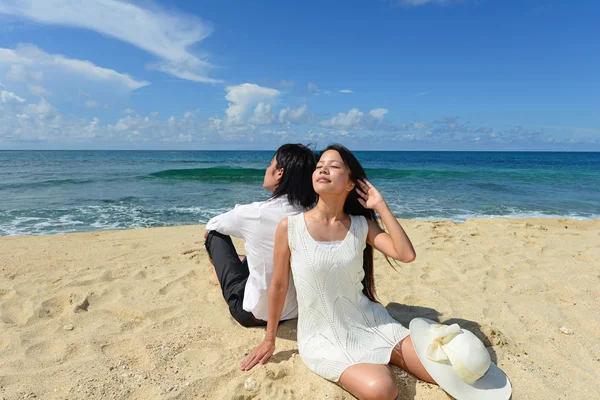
(338, 326)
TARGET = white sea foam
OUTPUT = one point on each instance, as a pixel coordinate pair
(116, 216)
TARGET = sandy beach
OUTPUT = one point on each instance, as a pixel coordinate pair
(137, 314)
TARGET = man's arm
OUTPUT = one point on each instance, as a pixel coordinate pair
(227, 223)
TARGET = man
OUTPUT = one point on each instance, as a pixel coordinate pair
(245, 284)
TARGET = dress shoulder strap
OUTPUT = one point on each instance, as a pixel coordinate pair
(293, 227)
(362, 229)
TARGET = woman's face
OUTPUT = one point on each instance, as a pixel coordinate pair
(331, 175)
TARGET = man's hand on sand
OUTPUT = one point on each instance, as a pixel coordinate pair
(261, 355)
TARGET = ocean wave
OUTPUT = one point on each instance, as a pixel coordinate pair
(239, 174)
(211, 174)
(46, 183)
(229, 174)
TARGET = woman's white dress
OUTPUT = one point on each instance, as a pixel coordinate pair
(338, 326)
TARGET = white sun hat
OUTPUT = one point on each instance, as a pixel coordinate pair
(458, 361)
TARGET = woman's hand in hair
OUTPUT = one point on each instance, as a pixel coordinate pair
(260, 354)
(368, 196)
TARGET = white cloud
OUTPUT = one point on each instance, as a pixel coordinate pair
(423, 2)
(351, 119)
(378, 113)
(128, 111)
(90, 103)
(123, 124)
(346, 91)
(287, 84)
(31, 55)
(6, 96)
(355, 119)
(164, 33)
(40, 124)
(215, 123)
(295, 115)
(38, 90)
(18, 73)
(184, 138)
(245, 99)
(313, 88)
(419, 125)
(262, 115)
(43, 108)
(92, 128)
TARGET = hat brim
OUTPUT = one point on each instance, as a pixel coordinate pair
(494, 385)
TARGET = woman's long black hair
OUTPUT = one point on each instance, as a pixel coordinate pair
(353, 207)
(298, 163)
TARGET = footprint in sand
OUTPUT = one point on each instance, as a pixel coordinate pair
(16, 311)
(199, 358)
(192, 253)
(47, 351)
(163, 313)
(279, 391)
(83, 305)
(183, 281)
(134, 352)
(492, 336)
(106, 276)
(141, 275)
(54, 306)
(425, 274)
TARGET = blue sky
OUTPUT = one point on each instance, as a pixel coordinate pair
(371, 74)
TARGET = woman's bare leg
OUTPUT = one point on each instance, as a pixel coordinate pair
(370, 382)
(405, 357)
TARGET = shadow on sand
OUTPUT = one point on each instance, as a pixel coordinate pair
(404, 314)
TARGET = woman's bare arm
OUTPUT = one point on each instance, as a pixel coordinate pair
(396, 243)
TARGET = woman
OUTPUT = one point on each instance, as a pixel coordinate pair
(344, 334)
(245, 284)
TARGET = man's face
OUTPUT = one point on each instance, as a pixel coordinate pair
(272, 176)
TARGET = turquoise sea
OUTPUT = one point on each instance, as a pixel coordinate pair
(47, 192)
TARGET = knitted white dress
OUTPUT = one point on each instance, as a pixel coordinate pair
(338, 326)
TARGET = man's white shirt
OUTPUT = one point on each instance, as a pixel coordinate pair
(256, 224)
